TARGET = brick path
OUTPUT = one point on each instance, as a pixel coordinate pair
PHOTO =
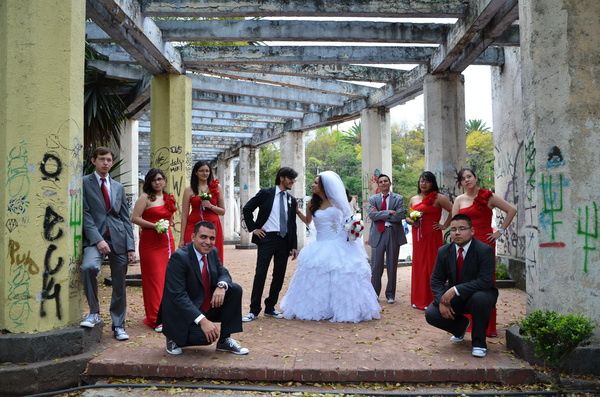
(400, 347)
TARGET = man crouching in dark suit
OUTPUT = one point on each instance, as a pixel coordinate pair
(462, 282)
(199, 292)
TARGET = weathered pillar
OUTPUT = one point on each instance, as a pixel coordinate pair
(509, 157)
(129, 168)
(376, 141)
(225, 174)
(249, 184)
(445, 146)
(171, 134)
(292, 155)
(561, 111)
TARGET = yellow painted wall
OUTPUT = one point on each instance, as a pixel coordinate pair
(171, 134)
(41, 134)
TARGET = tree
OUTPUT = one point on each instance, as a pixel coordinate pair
(269, 157)
(476, 125)
(480, 156)
(408, 160)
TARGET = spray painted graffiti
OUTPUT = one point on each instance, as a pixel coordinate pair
(76, 220)
(552, 193)
(17, 179)
(588, 229)
(555, 158)
(530, 169)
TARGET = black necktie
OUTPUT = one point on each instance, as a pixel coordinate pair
(282, 220)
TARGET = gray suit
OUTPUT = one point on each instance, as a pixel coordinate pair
(386, 244)
(114, 227)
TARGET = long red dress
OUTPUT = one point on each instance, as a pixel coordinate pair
(426, 242)
(481, 217)
(155, 250)
(198, 214)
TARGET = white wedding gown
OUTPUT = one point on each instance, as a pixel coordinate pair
(333, 278)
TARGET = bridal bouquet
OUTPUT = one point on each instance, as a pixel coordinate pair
(205, 196)
(354, 226)
(414, 214)
(161, 226)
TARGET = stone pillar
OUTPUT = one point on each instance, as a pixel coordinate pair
(509, 157)
(41, 158)
(561, 117)
(376, 141)
(171, 134)
(129, 169)
(225, 174)
(249, 185)
(445, 144)
(292, 155)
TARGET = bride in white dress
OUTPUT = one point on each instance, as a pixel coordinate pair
(333, 277)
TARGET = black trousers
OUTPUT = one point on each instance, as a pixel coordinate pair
(479, 305)
(275, 247)
(229, 315)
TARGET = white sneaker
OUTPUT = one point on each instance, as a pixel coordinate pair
(90, 320)
(158, 328)
(249, 317)
(120, 334)
(479, 352)
(172, 348)
(232, 346)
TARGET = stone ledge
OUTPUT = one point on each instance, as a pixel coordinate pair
(584, 360)
(49, 345)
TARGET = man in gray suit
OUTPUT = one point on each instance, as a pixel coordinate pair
(106, 231)
(386, 211)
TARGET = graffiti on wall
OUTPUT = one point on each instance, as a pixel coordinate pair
(587, 226)
(17, 185)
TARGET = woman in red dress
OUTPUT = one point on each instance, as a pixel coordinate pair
(477, 203)
(152, 210)
(195, 209)
(427, 236)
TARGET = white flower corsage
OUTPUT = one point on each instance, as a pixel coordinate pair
(415, 215)
(354, 226)
(161, 226)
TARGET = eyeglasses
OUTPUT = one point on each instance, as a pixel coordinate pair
(459, 229)
(158, 179)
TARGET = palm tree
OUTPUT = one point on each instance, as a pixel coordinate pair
(476, 125)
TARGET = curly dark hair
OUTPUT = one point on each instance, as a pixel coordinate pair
(429, 177)
(147, 187)
(194, 177)
(316, 200)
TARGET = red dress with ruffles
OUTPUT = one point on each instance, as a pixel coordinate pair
(426, 242)
(481, 217)
(198, 214)
(155, 250)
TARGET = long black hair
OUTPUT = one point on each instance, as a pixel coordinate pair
(194, 177)
(429, 177)
(316, 200)
(460, 175)
(147, 187)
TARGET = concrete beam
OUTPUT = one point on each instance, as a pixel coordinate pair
(334, 71)
(222, 134)
(114, 53)
(287, 30)
(140, 100)
(202, 56)
(217, 128)
(251, 110)
(307, 8)
(139, 36)
(479, 14)
(118, 71)
(231, 123)
(236, 116)
(94, 34)
(258, 102)
(317, 84)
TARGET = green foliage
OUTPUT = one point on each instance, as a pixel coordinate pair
(408, 161)
(502, 272)
(480, 156)
(555, 335)
(476, 125)
(269, 158)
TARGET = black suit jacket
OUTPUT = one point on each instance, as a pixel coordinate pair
(477, 274)
(264, 202)
(183, 293)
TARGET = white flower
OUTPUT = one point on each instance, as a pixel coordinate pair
(415, 215)
(354, 226)
(161, 226)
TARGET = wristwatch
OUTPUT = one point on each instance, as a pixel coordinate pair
(222, 284)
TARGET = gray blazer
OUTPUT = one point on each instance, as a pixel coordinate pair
(395, 202)
(96, 219)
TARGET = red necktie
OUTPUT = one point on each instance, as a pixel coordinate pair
(206, 285)
(381, 224)
(105, 193)
(460, 260)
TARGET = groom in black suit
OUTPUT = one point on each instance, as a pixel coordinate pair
(274, 232)
(462, 282)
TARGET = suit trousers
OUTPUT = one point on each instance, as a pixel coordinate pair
(90, 267)
(229, 315)
(389, 249)
(479, 305)
(276, 247)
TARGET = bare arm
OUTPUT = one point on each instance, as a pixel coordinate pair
(444, 202)
(219, 209)
(498, 202)
(307, 219)
(411, 203)
(138, 210)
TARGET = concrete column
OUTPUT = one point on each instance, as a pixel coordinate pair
(249, 185)
(445, 145)
(292, 155)
(561, 116)
(171, 134)
(376, 141)
(129, 169)
(507, 105)
(41, 158)
(225, 174)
